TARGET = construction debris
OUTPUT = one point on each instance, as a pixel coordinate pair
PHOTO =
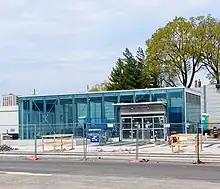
(140, 161)
(116, 150)
(4, 148)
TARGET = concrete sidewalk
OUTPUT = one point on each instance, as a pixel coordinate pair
(126, 147)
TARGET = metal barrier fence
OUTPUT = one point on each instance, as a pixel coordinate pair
(86, 141)
(126, 130)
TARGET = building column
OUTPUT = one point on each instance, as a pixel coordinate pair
(44, 126)
(74, 115)
(117, 118)
(204, 96)
(58, 125)
(88, 109)
(185, 112)
(150, 94)
(30, 120)
(65, 116)
(21, 120)
(103, 109)
(134, 97)
(167, 105)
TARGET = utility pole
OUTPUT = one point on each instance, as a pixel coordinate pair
(137, 141)
(35, 141)
(84, 142)
(86, 133)
(197, 145)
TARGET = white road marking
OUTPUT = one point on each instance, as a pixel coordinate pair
(26, 173)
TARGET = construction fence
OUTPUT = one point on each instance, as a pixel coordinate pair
(118, 141)
(123, 131)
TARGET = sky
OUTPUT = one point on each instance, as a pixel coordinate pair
(61, 46)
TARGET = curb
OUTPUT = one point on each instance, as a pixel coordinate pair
(124, 159)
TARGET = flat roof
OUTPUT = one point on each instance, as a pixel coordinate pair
(100, 92)
(193, 91)
(140, 103)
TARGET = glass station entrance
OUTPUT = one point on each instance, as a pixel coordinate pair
(148, 118)
(148, 127)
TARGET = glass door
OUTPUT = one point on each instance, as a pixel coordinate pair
(148, 125)
(159, 127)
(137, 127)
(126, 128)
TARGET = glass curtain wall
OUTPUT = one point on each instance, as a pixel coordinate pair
(193, 112)
(176, 110)
(69, 113)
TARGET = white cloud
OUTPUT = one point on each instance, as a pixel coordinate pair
(144, 4)
(11, 4)
(86, 55)
(75, 42)
(79, 16)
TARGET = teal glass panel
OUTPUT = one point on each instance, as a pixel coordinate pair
(193, 108)
(158, 91)
(176, 110)
(95, 107)
(81, 107)
(126, 97)
(142, 98)
(110, 94)
(110, 108)
(159, 97)
(142, 92)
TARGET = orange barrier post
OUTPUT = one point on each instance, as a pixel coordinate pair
(54, 144)
(57, 141)
(61, 144)
(185, 140)
(178, 144)
(42, 144)
(201, 144)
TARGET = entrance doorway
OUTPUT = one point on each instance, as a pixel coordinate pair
(148, 127)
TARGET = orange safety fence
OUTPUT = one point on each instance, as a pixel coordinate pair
(58, 140)
(185, 143)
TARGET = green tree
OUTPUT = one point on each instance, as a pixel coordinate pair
(144, 78)
(116, 78)
(99, 87)
(128, 72)
(175, 51)
(133, 70)
(211, 52)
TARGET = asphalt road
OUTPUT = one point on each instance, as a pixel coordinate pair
(115, 169)
(65, 174)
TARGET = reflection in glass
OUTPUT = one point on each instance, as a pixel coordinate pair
(126, 123)
(136, 122)
(127, 134)
(148, 122)
(158, 125)
(139, 134)
(158, 120)
(148, 127)
(159, 133)
(148, 134)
